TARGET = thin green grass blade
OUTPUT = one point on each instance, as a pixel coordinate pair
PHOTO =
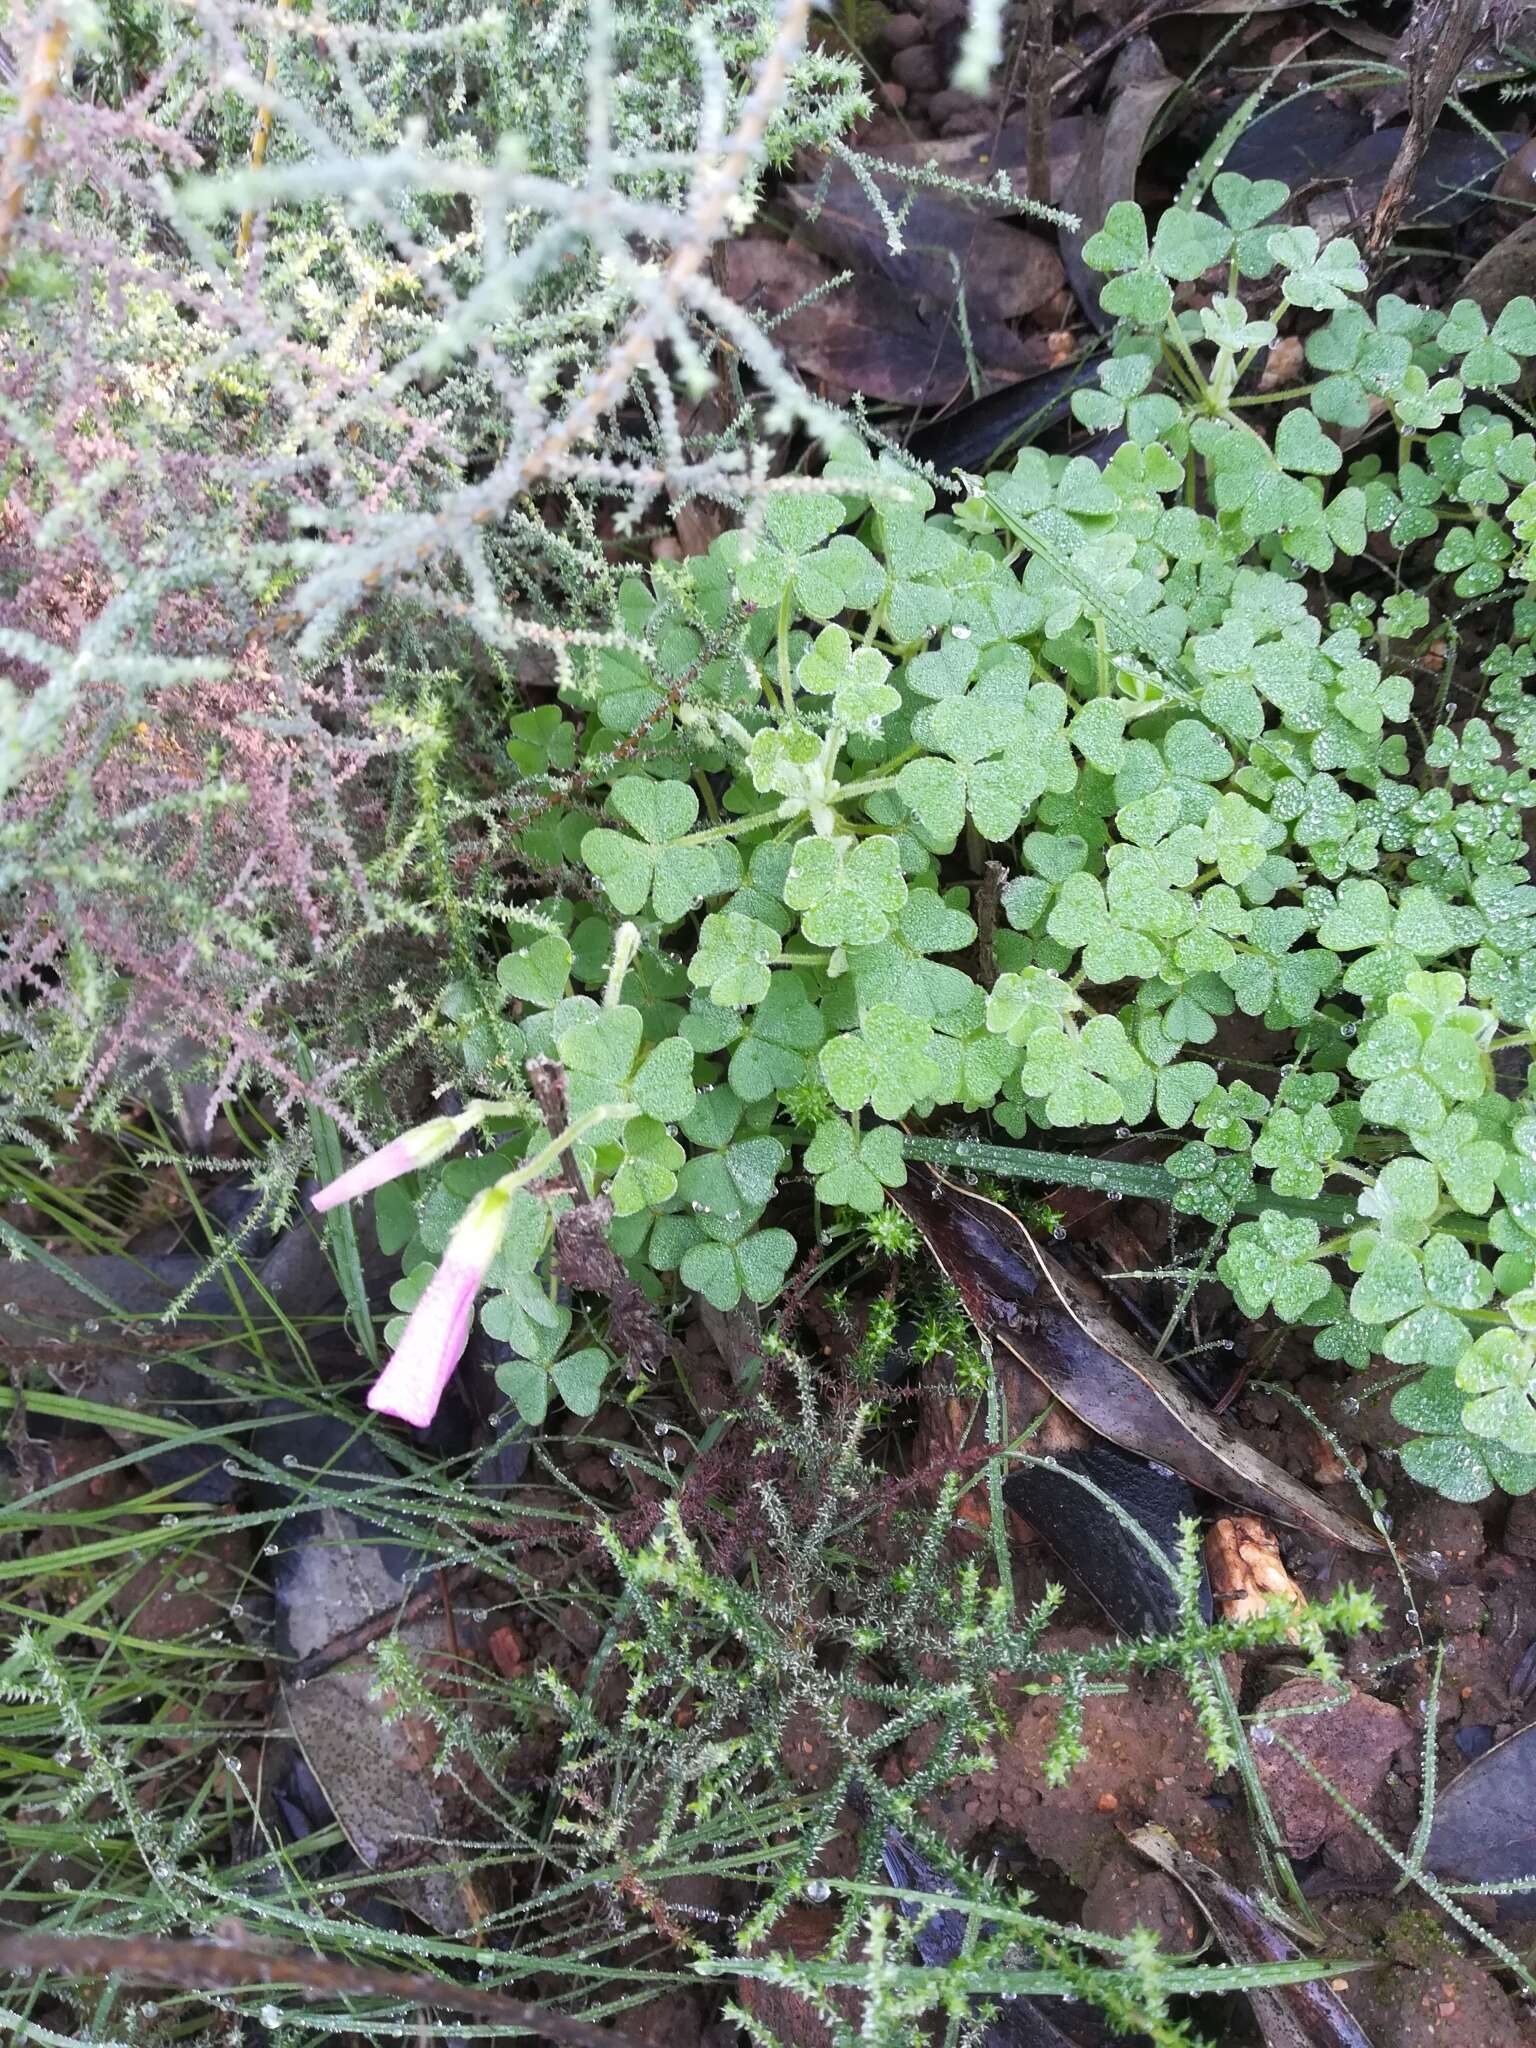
(340, 1231)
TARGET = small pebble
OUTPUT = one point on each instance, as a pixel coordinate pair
(946, 104)
(902, 31)
(917, 69)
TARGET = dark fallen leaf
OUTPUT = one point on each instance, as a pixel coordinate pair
(1451, 183)
(335, 1573)
(1289, 2015)
(1507, 271)
(978, 435)
(1442, 35)
(1144, 18)
(1484, 1829)
(1113, 1565)
(867, 335)
(939, 1938)
(1299, 141)
(1019, 1298)
(1006, 272)
(294, 1808)
(91, 1323)
(1140, 86)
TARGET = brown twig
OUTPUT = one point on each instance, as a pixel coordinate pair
(546, 1079)
(1037, 51)
(27, 132)
(989, 898)
(1115, 40)
(237, 1964)
(261, 135)
(1441, 37)
(346, 1645)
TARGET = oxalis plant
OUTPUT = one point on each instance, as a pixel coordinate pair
(1132, 793)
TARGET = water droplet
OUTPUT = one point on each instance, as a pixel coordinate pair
(1412, 1617)
(662, 1429)
(960, 633)
(231, 1468)
(91, 1326)
(668, 1454)
(290, 1461)
(817, 1890)
(1263, 1736)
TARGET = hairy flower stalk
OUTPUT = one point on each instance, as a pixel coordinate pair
(433, 1341)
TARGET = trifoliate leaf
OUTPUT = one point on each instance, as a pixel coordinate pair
(847, 891)
(853, 1169)
(733, 959)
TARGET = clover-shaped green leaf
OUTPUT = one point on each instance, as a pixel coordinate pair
(1187, 244)
(1019, 1004)
(1273, 1263)
(1090, 1076)
(1485, 362)
(1499, 1371)
(793, 551)
(653, 866)
(1112, 950)
(847, 891)
(887, 1063)
(1298, 1148)
(773, 1052)
(725, 1266)
(1246, 203)
(734, 958)
(1121, 243)
(1404, 1200)
(855, 678)
(537, 972)
(735, 1183)
(1301, 445)
(853, 1169)
(1316, 274)
(1447, 1456)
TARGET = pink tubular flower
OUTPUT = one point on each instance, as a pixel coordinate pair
(412, 1383)
(413, 1148)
